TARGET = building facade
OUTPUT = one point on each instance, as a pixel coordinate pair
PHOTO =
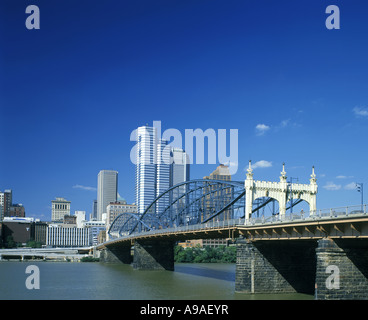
(180, 167)
(115, 209)
(17, 210)
(19, 230)
(40, 231)
(95, 228)
(60, 207)
(6, 200)
(59, 236)
(107, 190)
(80, 218)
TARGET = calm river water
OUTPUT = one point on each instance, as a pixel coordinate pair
(75, 281)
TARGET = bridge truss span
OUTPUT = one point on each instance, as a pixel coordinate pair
(189, 203)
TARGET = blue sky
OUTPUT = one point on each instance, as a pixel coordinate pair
(72, 92)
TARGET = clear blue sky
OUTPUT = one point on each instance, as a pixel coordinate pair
(72, 92)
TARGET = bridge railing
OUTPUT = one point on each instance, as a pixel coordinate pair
(331, 213)
(194, 227)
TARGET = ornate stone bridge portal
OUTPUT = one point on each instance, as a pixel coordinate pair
(281, 191)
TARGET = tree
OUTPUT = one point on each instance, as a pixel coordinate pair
(10, 243)
(205, 255)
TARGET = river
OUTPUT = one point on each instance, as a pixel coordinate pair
(90, 281)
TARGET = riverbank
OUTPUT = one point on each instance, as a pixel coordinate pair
(220, 254)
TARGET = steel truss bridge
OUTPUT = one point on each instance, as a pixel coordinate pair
(216, 209)
(189, 203)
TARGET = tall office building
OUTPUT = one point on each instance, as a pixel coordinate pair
(6, 199)
(145, 191)
(158, 167)
(107, 190)
(94, 210)
(163, 169)
(180, 168)
(59, 208)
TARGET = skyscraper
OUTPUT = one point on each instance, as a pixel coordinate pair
(94, 210)
(107, 190)
(146, 167)
(180, 171)
(162, 173)
(158, 167)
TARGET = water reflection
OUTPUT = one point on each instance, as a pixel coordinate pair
(217, 271)
(77, 281)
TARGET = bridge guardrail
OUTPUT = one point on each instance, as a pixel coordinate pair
(331, 213)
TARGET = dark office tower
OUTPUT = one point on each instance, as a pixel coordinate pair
(94, 210)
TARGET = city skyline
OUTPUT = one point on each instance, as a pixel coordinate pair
(72, 92)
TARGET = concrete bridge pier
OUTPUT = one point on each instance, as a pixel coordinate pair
(342, 269)
(153, 255)
(275, 266)
(116, 254)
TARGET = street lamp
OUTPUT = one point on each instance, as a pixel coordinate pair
(359, 187)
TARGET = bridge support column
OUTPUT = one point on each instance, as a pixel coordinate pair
(153, 255)
(342, 269)
(116, 254)
(275, 267)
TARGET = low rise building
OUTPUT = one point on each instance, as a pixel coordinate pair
(63, 236)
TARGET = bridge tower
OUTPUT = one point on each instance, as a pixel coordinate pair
(281, 191)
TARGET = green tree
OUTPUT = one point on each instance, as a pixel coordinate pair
(34, 244)
(10, 243)
(205, 255)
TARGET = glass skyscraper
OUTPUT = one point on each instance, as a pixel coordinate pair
(158, 167)
(145, 185)
(162, 173)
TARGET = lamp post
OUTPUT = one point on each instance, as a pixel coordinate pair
(359, 187)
